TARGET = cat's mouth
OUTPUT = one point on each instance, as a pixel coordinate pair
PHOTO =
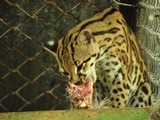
(81, 95)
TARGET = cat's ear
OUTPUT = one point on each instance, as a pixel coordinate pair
(85, 36)
(51, 46)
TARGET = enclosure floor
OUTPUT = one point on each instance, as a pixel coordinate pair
(105, 114)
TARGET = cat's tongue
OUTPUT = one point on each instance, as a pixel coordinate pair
(81, 95)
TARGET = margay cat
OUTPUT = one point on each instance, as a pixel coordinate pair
(104, 48)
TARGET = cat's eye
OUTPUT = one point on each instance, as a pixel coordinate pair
(65, 73)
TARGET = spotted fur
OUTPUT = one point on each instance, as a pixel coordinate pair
(105, 48)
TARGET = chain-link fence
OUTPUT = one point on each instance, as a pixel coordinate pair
(149, 35)
(29, 78)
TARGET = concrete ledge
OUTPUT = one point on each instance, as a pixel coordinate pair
(105, 114)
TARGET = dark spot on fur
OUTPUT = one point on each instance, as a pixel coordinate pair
(108, 39)
(120, 89)
(144, 89)
(115, 63)
(122, 95)
(91, 64)
(117, 99)
(112, 98)
(113, 56)
(145, 103)
(136, 93)
(136, 69)
(109, 23)
(120, 59)
(120, 71)
(118, 22)
(116, 76)
(126, 86)
(115, 91)
(122, 51)
(139, 78)
(113, 82)
(107, 64)
(140, 99)
(108, 71)
(149, 101)
(133, 100)
(141, 66)
(137, 105)
(118, 82)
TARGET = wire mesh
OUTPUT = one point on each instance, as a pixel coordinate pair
(149, 26)
(29, 76)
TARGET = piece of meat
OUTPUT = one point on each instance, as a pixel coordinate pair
(81, 95)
